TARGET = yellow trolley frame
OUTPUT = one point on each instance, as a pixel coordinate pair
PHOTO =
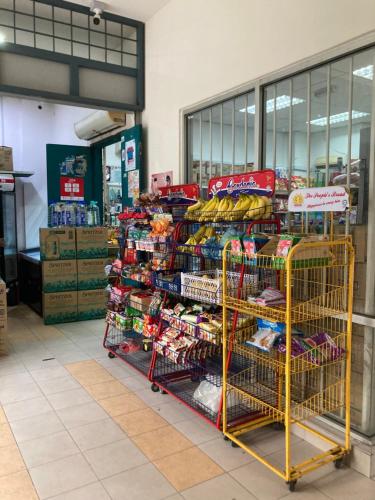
(317, 292)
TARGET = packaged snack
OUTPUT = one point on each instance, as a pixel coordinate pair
(272, 325)
(263, 339)
(179, 309)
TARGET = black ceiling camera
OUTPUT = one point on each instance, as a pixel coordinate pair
(97, 15)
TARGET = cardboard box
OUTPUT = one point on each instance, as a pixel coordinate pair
(59, 276)
(140, 301)
(59, 307)
(57, 243)
(92, 304)
(92, 242)
(91, 275)
(6, 159)
(359, 285)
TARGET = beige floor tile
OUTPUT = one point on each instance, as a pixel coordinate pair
(37, 426)
(61, 476)
(97, 434)
(152, 398)
(346, 484)
(17, 486)
(48, 448)
(20, 378)
(188, 468)
(10, 460)
(124, 403)
(135, 382)
(3, 419)
(115, 457)
(60, 384)
(107, 389)
(28, 408)
(49, 373)
(269, 441)
(197, 430)
(6, 436)
(93, 377)
(140, 421)
(15, 393)
(225, 455)
(301, 451)
(82, 366)
(161, 442)
(74, 416)
(66, 399)
(306, 492)
(173, 411)
(141, 483)
(260, 481)
(222, 487)
(94, 491)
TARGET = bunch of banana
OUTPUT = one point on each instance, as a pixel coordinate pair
(241, 207)
(260, 208)
(197, 207)
(226, 205)
(209, 210)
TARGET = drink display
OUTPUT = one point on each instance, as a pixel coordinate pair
(74, 214)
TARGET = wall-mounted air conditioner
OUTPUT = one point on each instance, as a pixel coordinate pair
(98, 123)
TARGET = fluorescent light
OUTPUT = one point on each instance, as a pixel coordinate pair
(282, 102)
(340, 117)
(2, 37)
(365, 72)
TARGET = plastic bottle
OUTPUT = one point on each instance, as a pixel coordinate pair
(93, 214)
(68, 214)
(82, 214)
(52, 215)
(95, 209)
(58, 214)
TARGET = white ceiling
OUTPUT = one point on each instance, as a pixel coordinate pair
(141, 10)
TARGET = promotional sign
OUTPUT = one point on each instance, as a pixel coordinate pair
(185, 194)
(6, 182)
(74, 165)
(261, 182)
(72, 188)
(321, 199)
(164, 179)
(129, 152)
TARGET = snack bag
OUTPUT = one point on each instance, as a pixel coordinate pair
(263, 339)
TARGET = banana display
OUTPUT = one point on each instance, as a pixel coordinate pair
(245, 207)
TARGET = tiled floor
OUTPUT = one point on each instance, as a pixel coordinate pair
(75, 425)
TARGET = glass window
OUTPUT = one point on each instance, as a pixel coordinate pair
(227, 135)
(6, 18)
(299, 154)
(129, 61)
(63, 30)
(43, 10)
(43, 26)
(269, 126)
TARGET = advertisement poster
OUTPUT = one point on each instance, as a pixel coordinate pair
(261, 183)
(185, 194)
(6, 182)
(129, 152)
(75, 165)
(72, 188)
(133, 184)
(321, 199)
(164, 179)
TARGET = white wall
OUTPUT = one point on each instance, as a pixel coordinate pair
(27, 130)
(196, 49)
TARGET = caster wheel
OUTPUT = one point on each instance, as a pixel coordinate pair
(111, 355)
(234, 445)
(292, 485)
(163, 392)
(226, 438)
(339, 463)
(154, 388)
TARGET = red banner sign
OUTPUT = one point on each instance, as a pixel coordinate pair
(72, 188)
(183, 194)
(261, 182)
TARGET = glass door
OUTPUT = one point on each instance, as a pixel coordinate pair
(112, 182)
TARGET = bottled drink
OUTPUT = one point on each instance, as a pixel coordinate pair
(52, 216)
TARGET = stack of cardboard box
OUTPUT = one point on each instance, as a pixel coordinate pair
(74, 280)
(3, 314)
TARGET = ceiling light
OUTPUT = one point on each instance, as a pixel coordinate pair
(365, 72)
(340, 117)
(2, 37)
(282, 102)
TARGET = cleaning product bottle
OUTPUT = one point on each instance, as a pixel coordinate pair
(52, 216)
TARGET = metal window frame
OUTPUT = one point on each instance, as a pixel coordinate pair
(75, 63)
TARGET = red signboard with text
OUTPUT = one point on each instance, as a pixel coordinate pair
(72, 188)
(184, 194)
(261, 182)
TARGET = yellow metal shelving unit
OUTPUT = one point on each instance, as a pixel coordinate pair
(284, 388)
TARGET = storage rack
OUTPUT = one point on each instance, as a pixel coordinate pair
(201, 282)
(283, 386)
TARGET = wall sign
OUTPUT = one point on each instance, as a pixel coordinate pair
(322, 199)
(6, 182)
(74, 165)
(261, 182)
(164, 179)
(184, 194)
(130, 155)
(72, 188)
